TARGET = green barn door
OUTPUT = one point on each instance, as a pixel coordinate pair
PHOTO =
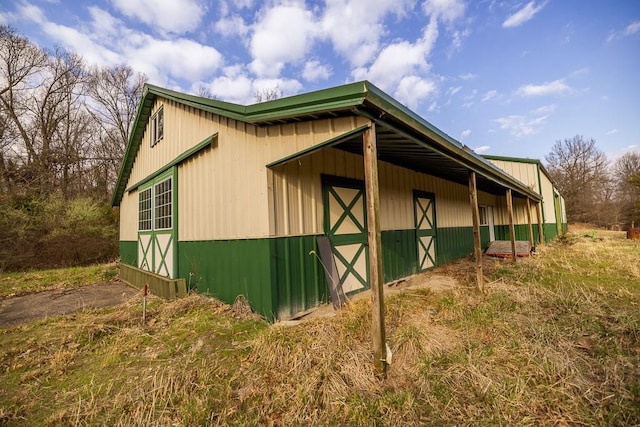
(425, 222)
(156, 226)
(345, 223)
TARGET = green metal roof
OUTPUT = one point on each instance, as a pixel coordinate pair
(404, 138)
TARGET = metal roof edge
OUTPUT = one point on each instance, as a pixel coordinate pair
(390, 106)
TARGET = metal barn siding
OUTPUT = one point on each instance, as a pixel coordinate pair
(527, 173)
(226, 268)
(223, 191)
(298, 193)
(184, 127)
(297, 275)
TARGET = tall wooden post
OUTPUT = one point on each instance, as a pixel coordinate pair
(529, 222)
(475, 214)
(375, 249)
(512, 230)
(540, 228)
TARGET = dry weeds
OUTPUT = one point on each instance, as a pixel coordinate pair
(555, 341)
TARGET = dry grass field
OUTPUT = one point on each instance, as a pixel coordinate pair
(554, 341)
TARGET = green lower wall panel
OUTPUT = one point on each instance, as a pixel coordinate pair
(129, 252)
(550, 231)
(399, 254)
(228, 268)
(522, 232)
(283, 276)
(297, 275)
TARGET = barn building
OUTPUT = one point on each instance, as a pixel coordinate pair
(230, 199)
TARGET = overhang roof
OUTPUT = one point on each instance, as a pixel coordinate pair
(403, 137)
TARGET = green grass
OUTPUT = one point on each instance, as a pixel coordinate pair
(63, 278)
(554, 341)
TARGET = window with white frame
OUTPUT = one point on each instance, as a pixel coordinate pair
(156, 126)
(144, 210)
(484, 215)
(163, 205)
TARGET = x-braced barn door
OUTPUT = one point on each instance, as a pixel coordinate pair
(156, 226)
(425, 221)
(345, 223)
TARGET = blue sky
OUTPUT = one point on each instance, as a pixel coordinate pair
(504, 77)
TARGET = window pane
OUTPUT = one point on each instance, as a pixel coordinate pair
(163, 206)
(144, 210)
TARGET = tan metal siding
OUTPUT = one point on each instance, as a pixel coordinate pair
(547, 197)
(297, 190)
(225, 192)
(184, 127)
(501, 213)
(527, 173)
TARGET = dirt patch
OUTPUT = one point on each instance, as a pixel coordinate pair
(26, 308)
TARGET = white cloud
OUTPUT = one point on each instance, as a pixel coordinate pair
(556, 87)
(545, 109)
(31, 13)
(284, 34)
(614, 155)
(413, 89)
(482, 149)
(454, 90)
(521, 126)
(468, 76)
(105, 40)
(169, 16)
(355, 27)
(465, 133)
(632, 28)
(401, 64)
(314, 71)
(523, 15)
(489, 95)
(237, 89)
(232, 25)
(629, 30)
(236, 85)
(613, 131)
(180, 58)
(445, 10)
(469, 100)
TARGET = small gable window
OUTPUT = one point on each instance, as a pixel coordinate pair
(157, 126)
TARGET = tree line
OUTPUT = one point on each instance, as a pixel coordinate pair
(63, 131)
(64, 127)
(596, 190)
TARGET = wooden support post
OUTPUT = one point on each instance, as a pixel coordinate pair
(512, 230)
(375, 249)
(475, 214)
(529, 222)
(540, 228)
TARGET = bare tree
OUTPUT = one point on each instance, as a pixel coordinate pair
(205, 92)
(115, 92)
(268, 94)
(627, 194)
(20, 64)
(580, 170)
